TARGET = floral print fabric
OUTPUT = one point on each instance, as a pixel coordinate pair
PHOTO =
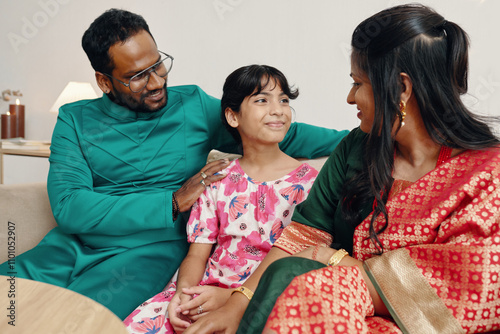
(243, 217)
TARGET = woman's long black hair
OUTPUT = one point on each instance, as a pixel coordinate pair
(433, 52)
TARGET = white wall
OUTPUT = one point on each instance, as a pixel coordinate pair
(307, 40)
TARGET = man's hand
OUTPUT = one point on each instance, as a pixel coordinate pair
(194, 187)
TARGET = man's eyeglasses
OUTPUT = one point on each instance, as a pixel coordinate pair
(139, 81)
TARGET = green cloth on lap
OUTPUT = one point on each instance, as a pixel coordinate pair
(274, 281)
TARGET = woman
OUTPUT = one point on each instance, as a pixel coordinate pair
(412, 195)
(236, 220)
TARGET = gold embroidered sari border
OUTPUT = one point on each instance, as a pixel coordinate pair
(297, 237)
(410, 299)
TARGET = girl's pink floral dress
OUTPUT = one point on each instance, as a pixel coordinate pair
(243, 217)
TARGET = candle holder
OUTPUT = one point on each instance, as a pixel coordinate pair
(12, 125)
(17, 113)
(8, 126)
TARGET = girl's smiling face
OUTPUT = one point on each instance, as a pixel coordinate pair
(264, 117)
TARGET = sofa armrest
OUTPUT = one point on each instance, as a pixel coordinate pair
(25, 213)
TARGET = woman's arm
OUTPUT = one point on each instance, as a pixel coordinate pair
(228, 317)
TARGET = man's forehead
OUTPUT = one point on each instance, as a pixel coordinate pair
(135, 54)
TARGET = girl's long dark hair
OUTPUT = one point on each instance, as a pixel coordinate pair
(433, 52)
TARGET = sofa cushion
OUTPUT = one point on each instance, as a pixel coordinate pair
(25, 217)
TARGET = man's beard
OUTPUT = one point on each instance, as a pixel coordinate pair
(132, 104)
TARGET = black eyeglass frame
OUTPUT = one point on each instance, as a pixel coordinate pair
(150, 69)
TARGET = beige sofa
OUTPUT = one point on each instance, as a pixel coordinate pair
(25, 217)
(25, 213)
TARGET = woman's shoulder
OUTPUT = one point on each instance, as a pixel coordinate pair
(355, 138)
(475, 158)
(350, 149)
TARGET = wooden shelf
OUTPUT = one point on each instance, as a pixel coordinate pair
(42, 152)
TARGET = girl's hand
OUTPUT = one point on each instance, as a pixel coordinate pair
(178, 321)
(210, 298)
(223, 320)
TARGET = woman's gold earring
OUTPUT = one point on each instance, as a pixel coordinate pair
(402, 110)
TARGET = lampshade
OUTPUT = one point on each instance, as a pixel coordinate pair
(74, 91)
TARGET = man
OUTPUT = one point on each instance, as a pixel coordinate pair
(120, 170)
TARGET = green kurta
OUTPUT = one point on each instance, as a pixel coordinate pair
(321, 210)
(111, 179)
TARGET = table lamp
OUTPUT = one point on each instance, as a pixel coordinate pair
(74, 91)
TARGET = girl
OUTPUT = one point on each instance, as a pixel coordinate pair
(235, 222)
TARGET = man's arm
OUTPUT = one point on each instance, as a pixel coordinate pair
(309, 141)
(79, 209)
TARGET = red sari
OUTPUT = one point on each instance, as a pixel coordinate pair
(440, 269)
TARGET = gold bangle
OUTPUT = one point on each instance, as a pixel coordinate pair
(244, 290)
(337, 257)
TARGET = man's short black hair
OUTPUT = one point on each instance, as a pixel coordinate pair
(113, 26)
